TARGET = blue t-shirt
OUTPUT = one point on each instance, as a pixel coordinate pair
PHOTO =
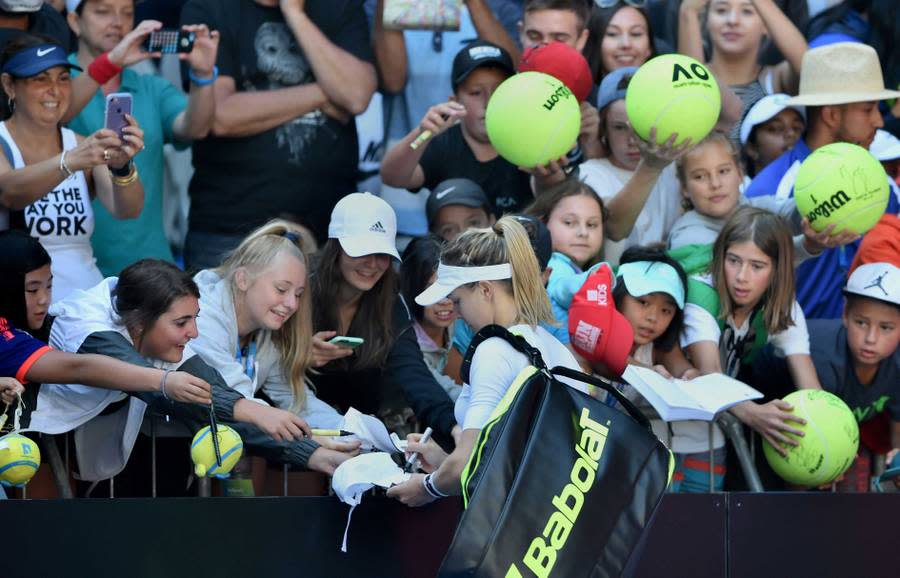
(820, 280)
(18, 351)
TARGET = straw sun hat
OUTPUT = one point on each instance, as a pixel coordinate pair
(841, 73)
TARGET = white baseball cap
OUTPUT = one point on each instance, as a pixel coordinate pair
(885, 147)
(764, 110)
(879, 281)
(364, 225)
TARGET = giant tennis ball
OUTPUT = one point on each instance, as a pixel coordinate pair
(20, 458)
(829, 443)
(841, 183)
(532, 119)
(674, 93)
(203, 453)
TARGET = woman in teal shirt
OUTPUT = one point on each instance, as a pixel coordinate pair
(107, 41)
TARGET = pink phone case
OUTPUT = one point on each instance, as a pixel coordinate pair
(118, 105)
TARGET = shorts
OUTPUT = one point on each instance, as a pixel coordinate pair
(691, 474)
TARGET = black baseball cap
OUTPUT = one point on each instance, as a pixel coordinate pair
(479, 53)
(456, 192)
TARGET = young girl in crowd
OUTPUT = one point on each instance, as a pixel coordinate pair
(574, 215)
(492, 277)
(768, 130)
(48, 174)
(748, 302)
(650, 292)
(354, 294)
(433, 324)
(736, 29)
(256, 331)
(711, 176)
(636, 182)
(620, 36)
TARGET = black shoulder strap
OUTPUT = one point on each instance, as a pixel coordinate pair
(517, 341)
(16, 218)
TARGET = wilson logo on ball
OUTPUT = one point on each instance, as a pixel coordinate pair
(678, 71)
(828, 206)
(561, 92)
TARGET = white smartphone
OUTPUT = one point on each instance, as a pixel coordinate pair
(345, 341)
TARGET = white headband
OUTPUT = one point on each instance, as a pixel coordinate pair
(450, 277)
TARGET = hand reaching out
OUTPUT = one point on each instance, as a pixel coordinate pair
(816, 242)
(659, 156)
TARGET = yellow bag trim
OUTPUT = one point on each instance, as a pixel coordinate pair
(499, 411)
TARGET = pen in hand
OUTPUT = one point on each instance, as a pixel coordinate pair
(414, 457)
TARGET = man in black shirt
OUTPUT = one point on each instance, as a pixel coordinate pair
(291, 77)
(452, 142)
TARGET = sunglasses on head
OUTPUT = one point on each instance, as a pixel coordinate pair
(611, 3)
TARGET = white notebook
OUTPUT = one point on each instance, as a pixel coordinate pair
(677, 400)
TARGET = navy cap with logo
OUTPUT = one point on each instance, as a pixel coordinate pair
(456, 192)
(36, 59)
(479, 53)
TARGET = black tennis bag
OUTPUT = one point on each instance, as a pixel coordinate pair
(559, 483)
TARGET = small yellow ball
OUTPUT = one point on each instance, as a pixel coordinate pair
(204, 456)
(20, 459)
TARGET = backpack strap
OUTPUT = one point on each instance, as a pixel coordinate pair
(518, 342)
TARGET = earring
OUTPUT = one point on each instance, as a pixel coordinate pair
(11, 103)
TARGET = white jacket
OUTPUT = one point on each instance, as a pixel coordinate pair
(217, 345)
(103, 443)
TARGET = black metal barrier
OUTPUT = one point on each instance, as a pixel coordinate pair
(695, 536)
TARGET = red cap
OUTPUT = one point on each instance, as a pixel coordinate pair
(598, 332)
(562, 62)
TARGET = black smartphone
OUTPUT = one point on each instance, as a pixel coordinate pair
(170, 41)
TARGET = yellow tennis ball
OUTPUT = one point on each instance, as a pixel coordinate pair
(676, 94)
(844, 184)
(532, 119)
(203, 453)
(20, 459)
(828, 446)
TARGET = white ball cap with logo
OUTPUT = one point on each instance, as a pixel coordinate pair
(364, 225)
(879, 281)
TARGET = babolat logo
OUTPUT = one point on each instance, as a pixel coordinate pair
(562, 91)
(828, 206)
(542, 552)
(678, 71)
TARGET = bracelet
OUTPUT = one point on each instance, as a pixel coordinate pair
(102, 70)
(63, 167)
(204, 81)
(162, 383)
(431, 488)
(123, 171)
(126, 180)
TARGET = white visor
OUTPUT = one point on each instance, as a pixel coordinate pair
(450, 277)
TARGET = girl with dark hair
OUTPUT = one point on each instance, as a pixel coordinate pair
(26, 283)
(620, 35)
(48, 174)
(354, 294)
(433, 324)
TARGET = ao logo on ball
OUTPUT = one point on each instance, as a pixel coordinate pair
(676, 94)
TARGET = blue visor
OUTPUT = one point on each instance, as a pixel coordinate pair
(37, 59)
(645, 277)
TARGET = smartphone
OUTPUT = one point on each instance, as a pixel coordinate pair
(170, 41)
(118, 104)
(344, 341)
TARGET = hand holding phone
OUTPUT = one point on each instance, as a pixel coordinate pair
(118, 104)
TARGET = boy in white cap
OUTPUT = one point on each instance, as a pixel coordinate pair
(857, 359)
(840, 86)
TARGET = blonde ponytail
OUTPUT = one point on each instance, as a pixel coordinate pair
(255, 254)
(506, 242)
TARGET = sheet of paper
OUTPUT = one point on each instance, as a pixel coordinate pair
(372, 432)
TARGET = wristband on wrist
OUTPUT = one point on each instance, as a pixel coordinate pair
(123, 171)
(431, 488)
(102, 70)
(204, 81)
(130, 178)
